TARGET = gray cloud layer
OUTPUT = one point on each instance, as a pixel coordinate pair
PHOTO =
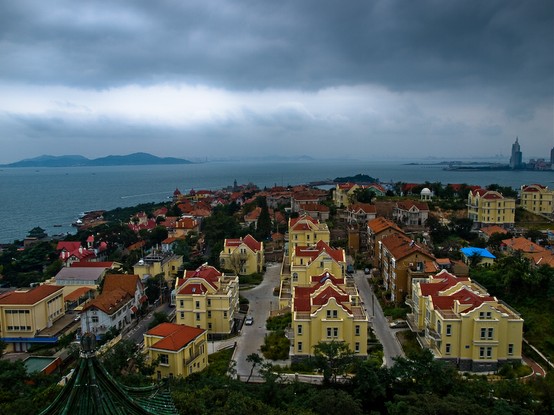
(434, 53)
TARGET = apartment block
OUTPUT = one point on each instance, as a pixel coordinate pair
(462, 324)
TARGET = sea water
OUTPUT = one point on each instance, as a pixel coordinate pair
(52, 198)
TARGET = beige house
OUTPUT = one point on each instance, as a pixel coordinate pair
(207, 299)
(537, 198)
(25, 313)
(179, 350)
(489, 207)
(243, 256)
(328, 309)
(462, 324)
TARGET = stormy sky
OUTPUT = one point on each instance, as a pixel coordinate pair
(355, 79)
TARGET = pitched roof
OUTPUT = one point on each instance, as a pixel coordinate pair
(411, 204)
(30, 297)
(314, 251)
(380, 224)
(472, 250)
(109, 302)
(76, 294)
(248, 240)
(363, 207)
(89, 274)
(490, 230)
(174, 336)
(400, 246)
(87, 264)
(522, 244)
(125, 282)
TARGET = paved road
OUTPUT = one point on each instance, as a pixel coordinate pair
(252, 337)
(136, 333)
(391, 345)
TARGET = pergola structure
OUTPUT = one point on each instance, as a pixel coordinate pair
(93, 391)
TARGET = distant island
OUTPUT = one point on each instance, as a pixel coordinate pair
(135, 159)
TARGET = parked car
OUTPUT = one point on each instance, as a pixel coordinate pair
(398, 324)
(249, 321)
(367, 271)
(349, 269)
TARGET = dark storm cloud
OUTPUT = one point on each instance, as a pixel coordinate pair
(243, 45)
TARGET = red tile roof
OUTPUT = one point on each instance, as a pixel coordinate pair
(88, 264)
(400, 246)
(30, 297)
(313, 252)
(409, 204)
(489, 230)
(522, 244)
(248, 240)
(363, 207)
(175, 336)
(78, 293)
(304, 297)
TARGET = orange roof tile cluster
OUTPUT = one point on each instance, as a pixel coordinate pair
(400, 246)
(314, 207)
(136, 246)
(302, 223)
(522, 244)
(125, 282)
(490, 230)
(313, 252)
(87, 264)
(174, 336)
(412, 205)
(380, 224)
(30, 297)
(362, 208)
(76, 294)
(186, 223)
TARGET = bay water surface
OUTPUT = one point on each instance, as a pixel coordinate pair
(46, 197)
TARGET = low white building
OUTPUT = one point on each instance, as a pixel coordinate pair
(108, 310)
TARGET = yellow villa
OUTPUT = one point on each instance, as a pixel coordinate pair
(179, 350)
(304, 231)
(244, 256)
(327, 310)
(25, 313)
(159, 263)
(489, 207)
(314, 260)
(462, 324)
(207, 299)
(537, 198)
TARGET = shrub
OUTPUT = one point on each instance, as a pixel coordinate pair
(279, 322)
(276, 346)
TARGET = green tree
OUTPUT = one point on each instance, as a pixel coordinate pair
(333, 359)
(256, 360)
(159, 317)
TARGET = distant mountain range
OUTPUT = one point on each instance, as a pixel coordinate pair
(135, 159)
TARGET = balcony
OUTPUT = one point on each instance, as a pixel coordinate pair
(432, 334)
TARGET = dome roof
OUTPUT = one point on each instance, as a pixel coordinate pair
(426, 191)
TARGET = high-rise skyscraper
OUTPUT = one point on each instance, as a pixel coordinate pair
(516, 158)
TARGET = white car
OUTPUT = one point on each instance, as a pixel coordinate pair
(249, 321)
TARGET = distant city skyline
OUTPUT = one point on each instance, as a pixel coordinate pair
(362, 80)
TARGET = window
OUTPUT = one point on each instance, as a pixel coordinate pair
(198, 304)
(483, 333)
(164, 359)
(182, 314)
(357, 347)
(209, 326)
(511, 349)
(197, 316)
(181, 303)
(447, 348)
(329, 332)
(328, 313)
(357, 330)
(94, 319)
(299, 329)
(335, 314)
(209, 302)
(225, 314)
(490, 333)
(449, 329)
(439, 327)
(209, 313)
(489, 352)
(295, 277)
(299, 346)
(335, 332)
